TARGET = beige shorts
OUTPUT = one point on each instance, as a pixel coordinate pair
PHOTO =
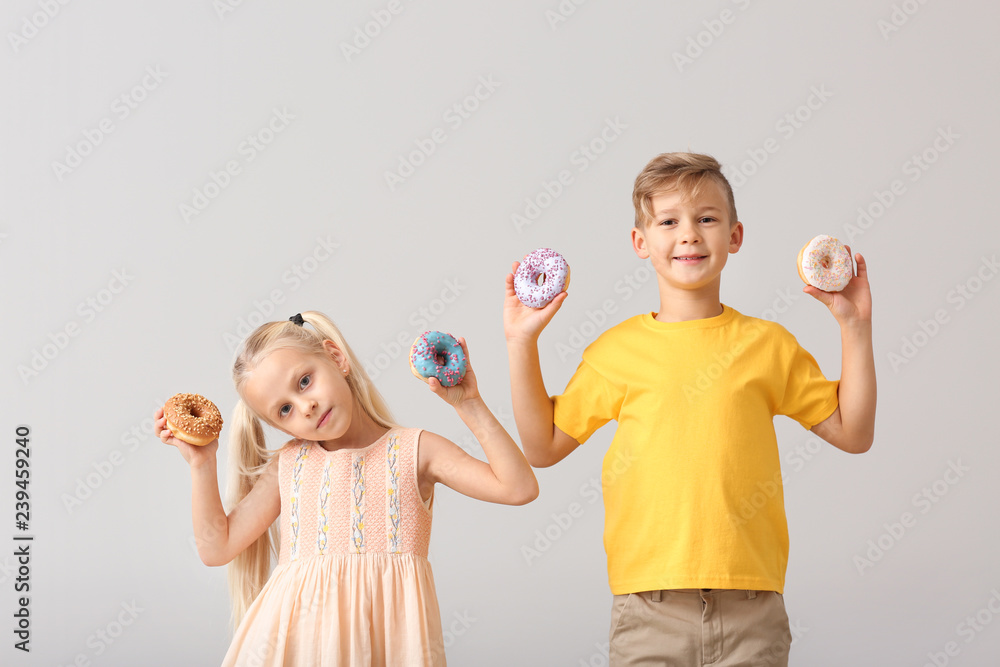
(698, 627)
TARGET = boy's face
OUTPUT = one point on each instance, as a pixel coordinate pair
(689, 238)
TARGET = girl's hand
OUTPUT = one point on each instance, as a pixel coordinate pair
(194, 455)
(853, 304)
(465, 390)
(522, 322)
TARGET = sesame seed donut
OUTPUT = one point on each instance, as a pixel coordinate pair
(193, 418)
(826, 264)
(439, 355)
(540, 277)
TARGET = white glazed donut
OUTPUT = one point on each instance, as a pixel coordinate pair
(542, 275)
(825, 263)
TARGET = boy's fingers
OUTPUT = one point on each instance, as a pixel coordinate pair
(824, 297)
(556, 303)
(862, 265)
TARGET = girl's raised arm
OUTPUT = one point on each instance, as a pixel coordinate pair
(219, 537)
(507, 478)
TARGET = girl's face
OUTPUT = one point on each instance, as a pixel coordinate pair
(304, 395)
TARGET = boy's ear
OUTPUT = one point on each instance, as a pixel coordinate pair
(736, 237)
(639, 243)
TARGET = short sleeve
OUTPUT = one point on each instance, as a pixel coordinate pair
(589, 402)
(809, 397)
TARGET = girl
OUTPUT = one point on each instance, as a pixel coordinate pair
(353, 491)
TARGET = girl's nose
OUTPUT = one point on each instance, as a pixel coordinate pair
(308, 406)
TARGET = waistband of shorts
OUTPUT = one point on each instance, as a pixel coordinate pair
(687, 593)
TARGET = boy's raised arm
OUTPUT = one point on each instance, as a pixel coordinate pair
(852, 425)
(544, 444)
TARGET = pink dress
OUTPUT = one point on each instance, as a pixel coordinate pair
(353, 586)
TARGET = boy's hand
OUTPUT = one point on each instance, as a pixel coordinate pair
(853, 304)
(521, 322)
(465, 390)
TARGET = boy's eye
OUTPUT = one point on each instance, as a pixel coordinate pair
(706, 219)
(668, 222)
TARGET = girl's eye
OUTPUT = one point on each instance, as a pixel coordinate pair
(283, 410)
(304, 382)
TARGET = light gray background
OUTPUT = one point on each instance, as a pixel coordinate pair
(878, 98)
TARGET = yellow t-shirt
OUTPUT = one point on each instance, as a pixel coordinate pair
(692, 480)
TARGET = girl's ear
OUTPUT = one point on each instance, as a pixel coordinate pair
(338, 356)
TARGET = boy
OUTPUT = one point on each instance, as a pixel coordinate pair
(694, 387)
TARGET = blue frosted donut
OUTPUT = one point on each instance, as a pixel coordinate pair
(437, 354)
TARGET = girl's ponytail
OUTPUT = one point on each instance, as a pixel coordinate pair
(248, 456)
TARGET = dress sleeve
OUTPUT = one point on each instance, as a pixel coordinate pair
(589, 402)
(809, 397)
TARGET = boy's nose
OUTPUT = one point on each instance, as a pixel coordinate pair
(690, 234)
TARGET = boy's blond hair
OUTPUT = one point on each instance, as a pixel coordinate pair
(673, 172)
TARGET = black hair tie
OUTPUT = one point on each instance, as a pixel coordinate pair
(297, 319)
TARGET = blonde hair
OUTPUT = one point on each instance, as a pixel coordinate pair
(249, 456)
(677, 172)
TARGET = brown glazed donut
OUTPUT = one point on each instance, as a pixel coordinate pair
(193, 418)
